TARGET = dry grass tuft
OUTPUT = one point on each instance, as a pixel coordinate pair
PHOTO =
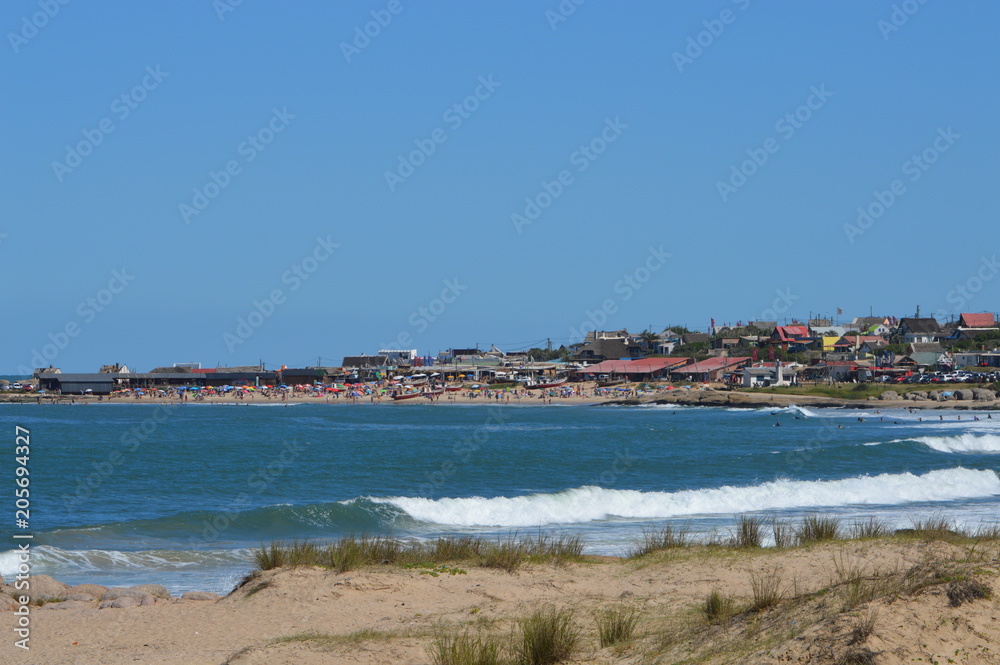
(966, 591)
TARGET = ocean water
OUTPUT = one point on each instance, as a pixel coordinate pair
(179, 495)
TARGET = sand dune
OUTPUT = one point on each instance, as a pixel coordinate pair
(391, 614)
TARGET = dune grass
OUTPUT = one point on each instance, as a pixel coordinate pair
(467, 648)
(616, 625)
(868, 527)
(546, 636)
(511, 552)
(658, 540)
(817, 529)
(749, 532)
(351, 552)
(766, 589)
(719, 609)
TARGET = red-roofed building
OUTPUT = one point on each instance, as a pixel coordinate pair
(636, 370)
(972, 325)
(791, 336)
(709, 370)
(984, 320)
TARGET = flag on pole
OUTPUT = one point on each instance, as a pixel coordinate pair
(839, 311)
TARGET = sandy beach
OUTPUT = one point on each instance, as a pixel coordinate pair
(584, 393)
(391, 614)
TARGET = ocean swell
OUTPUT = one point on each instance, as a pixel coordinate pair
(588, 504)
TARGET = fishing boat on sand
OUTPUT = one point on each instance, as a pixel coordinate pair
(543, 384)
(416, 380)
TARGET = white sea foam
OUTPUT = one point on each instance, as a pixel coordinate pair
(586, 504)
(55, 559)
(963, 443)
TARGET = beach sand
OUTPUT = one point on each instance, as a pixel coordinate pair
(312, 615)
(693, 395)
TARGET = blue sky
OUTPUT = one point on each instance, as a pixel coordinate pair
(628, 125)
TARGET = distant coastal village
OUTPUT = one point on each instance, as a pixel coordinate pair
(751, 355)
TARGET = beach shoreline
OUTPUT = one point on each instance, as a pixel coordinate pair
(701, 396)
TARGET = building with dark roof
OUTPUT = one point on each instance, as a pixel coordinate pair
(919, 330)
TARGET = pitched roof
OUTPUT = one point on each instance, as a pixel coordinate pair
(607, 348)
(633, 366)
(925, 358)
(866, 322)
(983, 320)
(711, 365)
(921, 325)
(791, 333)
(925, 347)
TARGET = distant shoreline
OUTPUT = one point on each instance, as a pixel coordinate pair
(679, 397)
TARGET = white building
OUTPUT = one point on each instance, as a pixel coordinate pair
(399, 356)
